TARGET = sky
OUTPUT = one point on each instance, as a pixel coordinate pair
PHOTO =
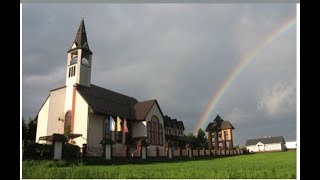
(179, 54)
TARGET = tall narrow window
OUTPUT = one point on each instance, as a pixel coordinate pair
(149, 132)
(67, 125)
(160, 134)
(155, 132)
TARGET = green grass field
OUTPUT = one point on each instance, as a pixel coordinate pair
(276, 165)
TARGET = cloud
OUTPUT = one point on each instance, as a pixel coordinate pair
(278, 100)
(238, 116)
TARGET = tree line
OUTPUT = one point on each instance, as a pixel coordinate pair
(198, 142)
(29, 129)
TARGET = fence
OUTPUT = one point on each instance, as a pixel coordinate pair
(122, 151)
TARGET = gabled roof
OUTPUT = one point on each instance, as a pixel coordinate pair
(105, 101)
(219, 124)
(81, 40)
(142, 108)
(266, 140)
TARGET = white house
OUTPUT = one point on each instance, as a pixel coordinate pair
(266, 144)
(85, 110)
(291, 145)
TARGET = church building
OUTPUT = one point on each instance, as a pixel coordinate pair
(90, 114)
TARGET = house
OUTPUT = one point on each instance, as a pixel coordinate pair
(291, 145)
(266, 144)
(89, 114)
(220, 134)
(174, 132)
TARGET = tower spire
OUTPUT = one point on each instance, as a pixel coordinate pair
(81, 41)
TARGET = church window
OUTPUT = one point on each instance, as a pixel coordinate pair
(155, 132)
(149, 131)
(85, 61)
(74, 60)
(160, 134)
(67, 126)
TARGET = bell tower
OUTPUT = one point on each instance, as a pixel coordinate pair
(78, 71)
(79, 60)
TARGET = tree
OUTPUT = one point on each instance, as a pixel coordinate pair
(192, 140)
(201, 139)
(32, 130)
(67, 132)
(24, 130)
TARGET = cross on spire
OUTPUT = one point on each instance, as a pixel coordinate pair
(83, 13)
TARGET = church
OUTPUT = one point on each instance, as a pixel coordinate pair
(90, 114)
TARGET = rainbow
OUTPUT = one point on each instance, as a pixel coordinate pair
(245, 61)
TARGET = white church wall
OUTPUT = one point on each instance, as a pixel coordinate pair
(139, 129)
(70, 81)
(80, 120)
(68, 98)
(95, 133)
(78, 65)
(56, 110)
(155, 111)
(42, 123)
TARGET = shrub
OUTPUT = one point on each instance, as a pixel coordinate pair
(35, 150)
(70, 151)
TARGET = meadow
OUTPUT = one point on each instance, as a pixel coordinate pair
(274, 165)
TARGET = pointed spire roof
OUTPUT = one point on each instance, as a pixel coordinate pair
(218, 118)
(81, 38)
(219, 124)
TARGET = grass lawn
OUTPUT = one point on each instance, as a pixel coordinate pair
(275, 165)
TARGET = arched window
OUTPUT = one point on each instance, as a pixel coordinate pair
(67, 125)
(106, 129)
(74, 60)
(155, 132)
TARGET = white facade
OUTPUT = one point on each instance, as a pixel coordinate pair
(80, 120)
(56, 112)
(51, 115)
(291, 145)
(42, 122)
(140, 129)
(260, 147)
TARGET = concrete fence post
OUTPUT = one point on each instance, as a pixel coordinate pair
(57, 153)
(170, 152)
(144, 152)
(108, 151)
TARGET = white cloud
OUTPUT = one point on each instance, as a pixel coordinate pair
(278, 100)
